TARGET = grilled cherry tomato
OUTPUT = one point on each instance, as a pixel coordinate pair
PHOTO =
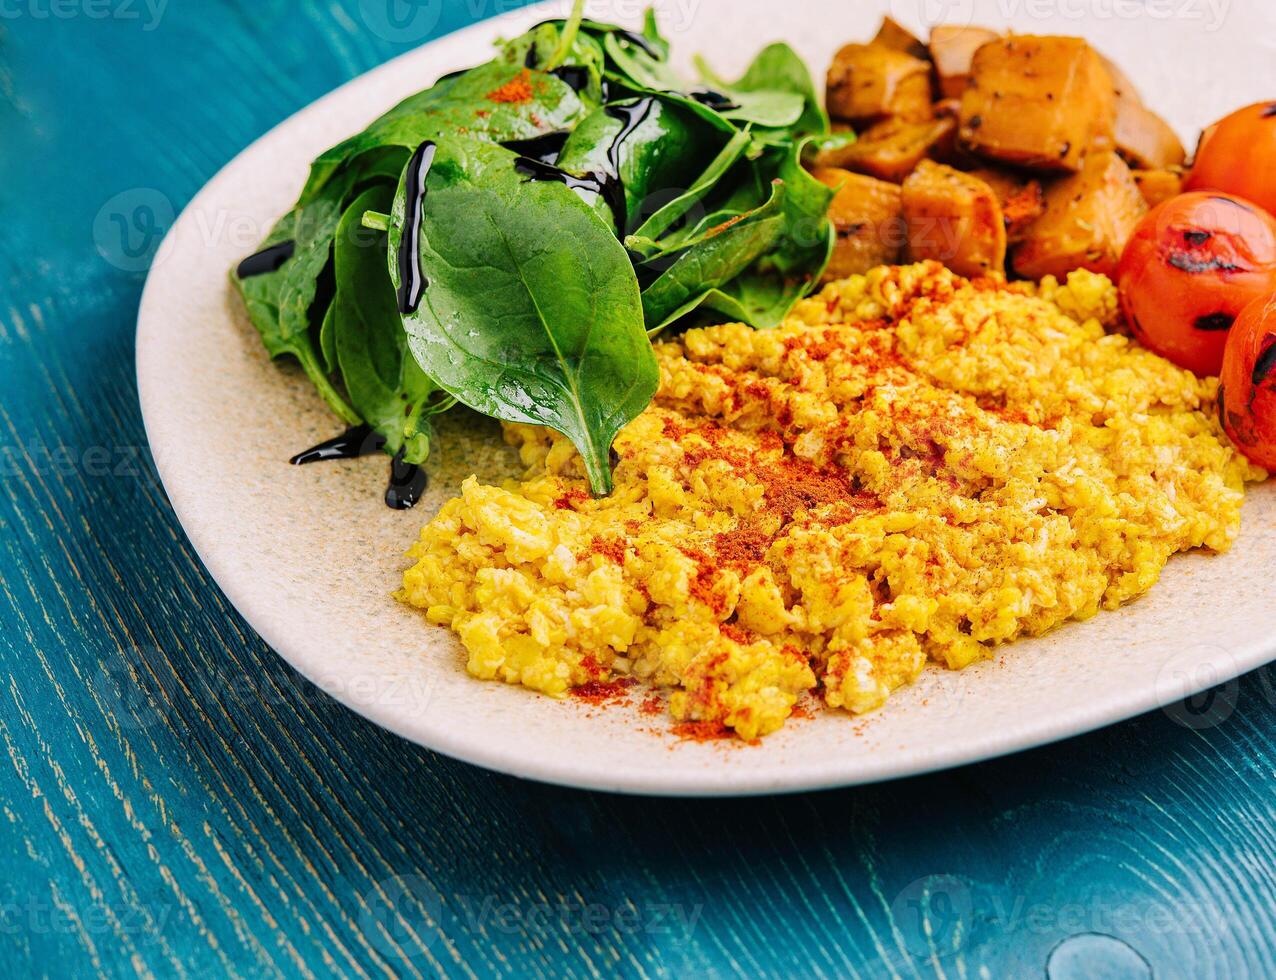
(1247, 387)
(1237, 155)
(1192, 265)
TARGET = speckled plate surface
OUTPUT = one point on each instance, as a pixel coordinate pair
(310, 555)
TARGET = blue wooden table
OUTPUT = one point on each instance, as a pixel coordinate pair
(175, 801)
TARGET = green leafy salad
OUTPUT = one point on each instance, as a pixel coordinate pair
(511, 237)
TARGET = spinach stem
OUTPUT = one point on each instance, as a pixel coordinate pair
(568, 38)
(376, 221)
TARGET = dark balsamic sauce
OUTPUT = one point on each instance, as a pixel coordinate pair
(714, 100)
(267, 260)
(630, 117)
(407, 480)
(407, 483)
(545, 148)
(412, 281)
(606, 187)
(359, 440)
(574, 77)
(638, 41)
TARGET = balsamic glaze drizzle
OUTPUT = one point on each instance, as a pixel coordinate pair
(267, 260)
(544, 148)
(358, 440)
(714, 100)
(407, 483)
(639, 41)
(606, 187)
(574, 76)
(412, 281)
(407, 480)
(630, 117)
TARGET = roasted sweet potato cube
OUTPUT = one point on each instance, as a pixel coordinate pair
(891, 149)
(952, 49)
(1022, 198)
(1158, 186)
(1037, 102)
(1121, 83)
(954, 218)
(1144, 139)
(1088, 220)
(895, 36)
(868, 218)
(871, 82)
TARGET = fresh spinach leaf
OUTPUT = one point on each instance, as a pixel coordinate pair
(532, 312)
(385, 384)
(725, 268)
(676, 209)
(721, 255)
(497, 101)
(776, 70)
(279, 302)
(654, 158)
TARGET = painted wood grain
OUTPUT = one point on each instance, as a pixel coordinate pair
(176, 802)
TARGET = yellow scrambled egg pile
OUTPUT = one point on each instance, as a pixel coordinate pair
(915, 467)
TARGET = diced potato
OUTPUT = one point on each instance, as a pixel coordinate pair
(1144, 139)
(1037, 102)
(868, 217)
(1125, 89)
(954, 218)
(1089, 218)
(895, 36)
(1158, 186)
(870, 82)
(1022, 199)
(891, 149)
(952, 49)
(949, 149)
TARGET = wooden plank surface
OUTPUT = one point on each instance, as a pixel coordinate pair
(174, 801)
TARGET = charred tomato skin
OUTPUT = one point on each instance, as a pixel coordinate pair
(1237, 155)
(1247, 386)
(1190, 267)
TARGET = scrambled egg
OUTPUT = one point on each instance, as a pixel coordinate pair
(915, 467)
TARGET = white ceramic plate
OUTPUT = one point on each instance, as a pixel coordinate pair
(310, 555)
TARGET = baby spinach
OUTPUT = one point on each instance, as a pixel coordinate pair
(385, 384)
(719, 256)
(486, 102)
(655, 197)
(661, 147)
(777, 70)
(279, 302)
(532, 312)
